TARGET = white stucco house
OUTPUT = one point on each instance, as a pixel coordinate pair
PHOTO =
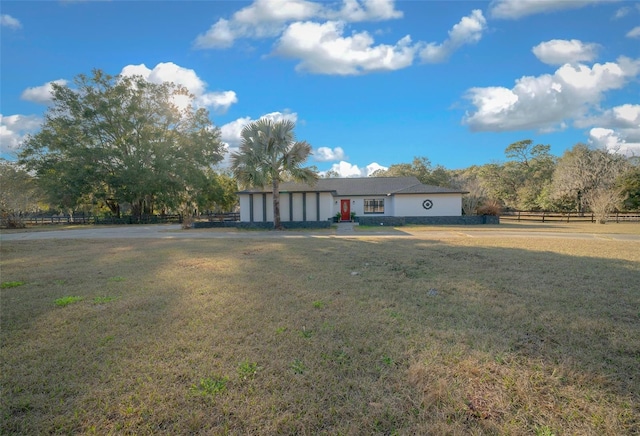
(370, 197)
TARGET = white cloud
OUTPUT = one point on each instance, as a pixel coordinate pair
(41, 94)
(616, 129)
(625, 10)
(261, 19)
(323, 49)
(546, 101)
(622, 12)
(326, 154)
(267, 18)
(514, 9)
(365, 10)
(170, 72)
(345, 169)
(561, 51)
(613, 141)
(14, 128)
(626, 116)
(467, 31)
(219, 101)
(10, 22)
(230, 132)
(634, 33)
(373, 167)
(279, 116)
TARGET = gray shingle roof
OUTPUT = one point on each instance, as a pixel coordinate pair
(377, 186)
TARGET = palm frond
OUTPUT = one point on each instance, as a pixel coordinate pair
(269, 152)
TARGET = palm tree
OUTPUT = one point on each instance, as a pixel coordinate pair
(269, 153)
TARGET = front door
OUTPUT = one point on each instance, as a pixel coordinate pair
(345, 210)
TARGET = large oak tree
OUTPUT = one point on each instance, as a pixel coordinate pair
(121, 139)
(19, 194)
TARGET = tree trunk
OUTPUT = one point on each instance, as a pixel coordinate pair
(276, 204)
(136, 209)
(114, 207)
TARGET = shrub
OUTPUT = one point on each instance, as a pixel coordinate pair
(492, 208)
(187, 221)
(11, 221)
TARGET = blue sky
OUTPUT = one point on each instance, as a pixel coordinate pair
(368, 83)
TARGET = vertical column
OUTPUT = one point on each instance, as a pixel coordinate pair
(304, 206)
(290, 206)
(250, 208)
(264, 208)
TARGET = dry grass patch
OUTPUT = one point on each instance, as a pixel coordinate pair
(630, 228)
(321, 336)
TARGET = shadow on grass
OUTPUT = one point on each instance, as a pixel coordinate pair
(358, 337)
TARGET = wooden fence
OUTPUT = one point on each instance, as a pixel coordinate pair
(92, 219)
(81, 218)
(227, 216)
(567, 217)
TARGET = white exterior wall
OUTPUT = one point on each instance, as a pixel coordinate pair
(301, 201)
(357, 205)
(395, 205)
(257, 208)
(297, 206)
(326, 207)
(245, 215)
(443, 205)
(312, 209)
(284, 206)
(244, 208)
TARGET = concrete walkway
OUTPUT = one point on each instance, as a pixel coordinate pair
(346, 228)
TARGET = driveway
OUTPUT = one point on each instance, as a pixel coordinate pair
(174, 231)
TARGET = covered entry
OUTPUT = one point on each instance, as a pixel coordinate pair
(345, 210)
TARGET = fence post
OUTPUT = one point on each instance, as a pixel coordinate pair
(593, 218)
(543, 216)
(518, 215)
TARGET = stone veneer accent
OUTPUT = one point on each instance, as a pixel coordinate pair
(428, 220)
(363, 220)
(263, 225)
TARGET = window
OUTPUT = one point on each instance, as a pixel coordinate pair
(374, 206)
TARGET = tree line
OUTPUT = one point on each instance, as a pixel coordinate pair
(118, 145)
(582, 179)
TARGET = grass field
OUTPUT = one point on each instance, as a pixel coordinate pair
(553, 227)
(321, 336)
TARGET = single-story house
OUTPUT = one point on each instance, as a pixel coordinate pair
(372, 199)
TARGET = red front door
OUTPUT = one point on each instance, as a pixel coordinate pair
(345, 210)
